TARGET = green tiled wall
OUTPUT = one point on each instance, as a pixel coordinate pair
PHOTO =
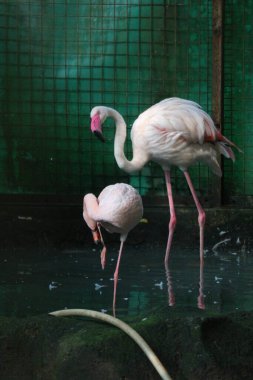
(59, 58)
(238, 98)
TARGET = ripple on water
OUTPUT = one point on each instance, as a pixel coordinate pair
(38, 282)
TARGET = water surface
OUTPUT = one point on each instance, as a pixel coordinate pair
(36, 281)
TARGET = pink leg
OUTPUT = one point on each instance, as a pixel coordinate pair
(201, 218)
(173, 220)
(116, 275)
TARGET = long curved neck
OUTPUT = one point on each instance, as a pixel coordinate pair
(119, 141)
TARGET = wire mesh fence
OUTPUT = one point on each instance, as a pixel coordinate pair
(60, 58)
(238, 100)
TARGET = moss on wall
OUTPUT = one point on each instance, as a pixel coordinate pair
(200, 347)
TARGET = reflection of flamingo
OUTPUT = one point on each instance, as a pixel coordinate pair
(118, 208)
(172, 132)
(201, 301)
(171, 295)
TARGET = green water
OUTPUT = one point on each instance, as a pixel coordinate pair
(34, 282)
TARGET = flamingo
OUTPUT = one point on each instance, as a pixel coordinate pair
(173, 132)
(119, 209)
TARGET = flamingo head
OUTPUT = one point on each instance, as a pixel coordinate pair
(98, 116)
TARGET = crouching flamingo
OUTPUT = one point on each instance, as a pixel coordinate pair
(119, 209)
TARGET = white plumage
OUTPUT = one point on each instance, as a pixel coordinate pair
(118, 209)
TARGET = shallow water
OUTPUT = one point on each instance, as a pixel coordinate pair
(34, 282)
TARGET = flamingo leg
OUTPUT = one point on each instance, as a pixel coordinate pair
(173, 219)
(116, 275)
(201, 217)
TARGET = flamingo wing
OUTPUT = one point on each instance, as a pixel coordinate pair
(178, 119)
(120, 207)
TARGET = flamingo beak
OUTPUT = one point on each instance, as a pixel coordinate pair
(96, 127)
(96, 236)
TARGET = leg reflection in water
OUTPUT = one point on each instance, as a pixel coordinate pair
(201, 301)
(171, 295)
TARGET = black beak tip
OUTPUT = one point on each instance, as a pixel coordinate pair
(98, 242)
(99, 136)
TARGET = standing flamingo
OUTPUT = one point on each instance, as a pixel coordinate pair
(172, 132)
(119, 209)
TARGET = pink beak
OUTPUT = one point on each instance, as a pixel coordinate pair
(96, 127)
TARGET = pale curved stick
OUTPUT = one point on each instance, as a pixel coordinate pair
(121, 325)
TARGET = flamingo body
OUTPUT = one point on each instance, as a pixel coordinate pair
(118, 209)
(173, 132)
(177, 132)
